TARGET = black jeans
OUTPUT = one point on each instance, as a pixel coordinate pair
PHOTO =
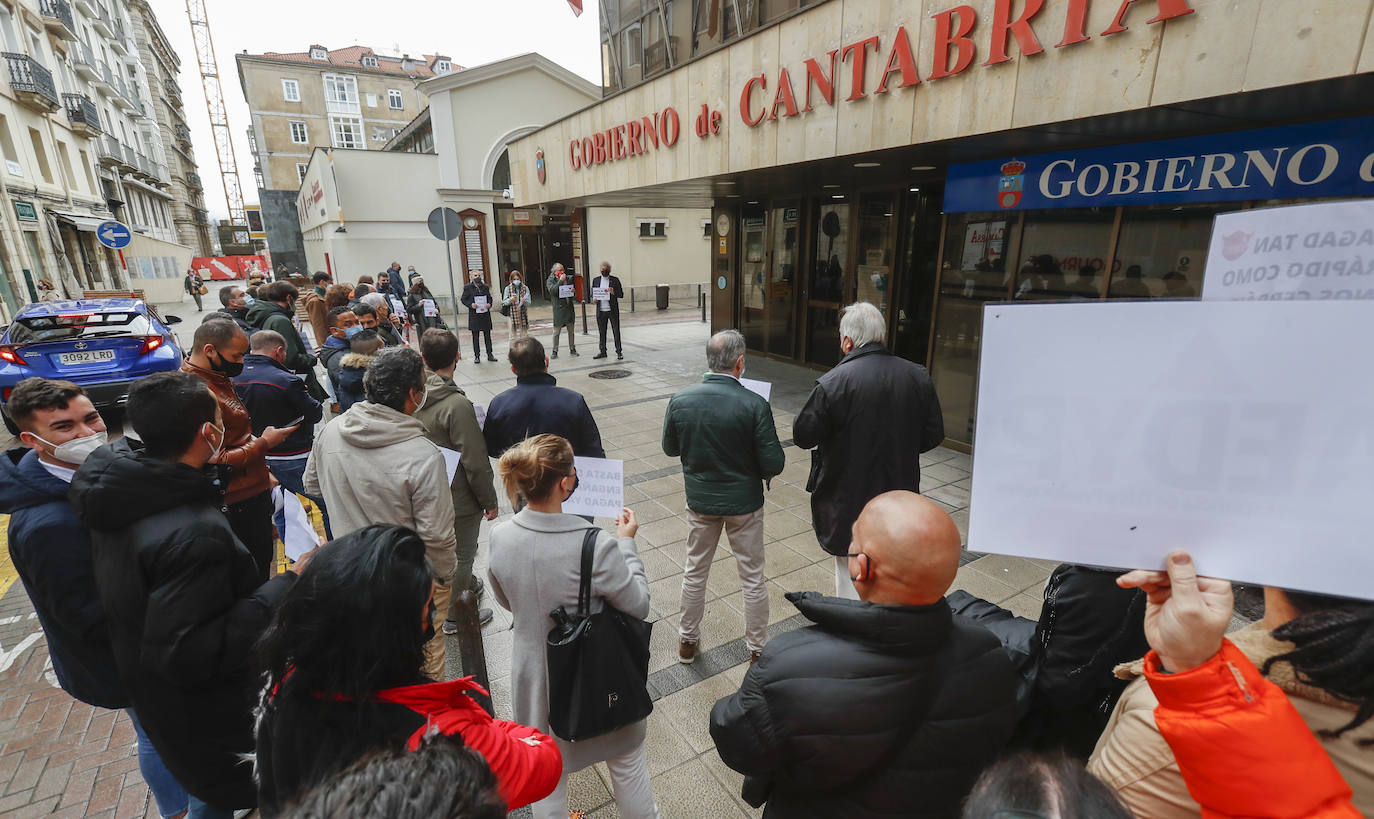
(476, 351)
(251, 521)
(611, 317)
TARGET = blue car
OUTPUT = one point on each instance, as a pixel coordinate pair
(105, 345)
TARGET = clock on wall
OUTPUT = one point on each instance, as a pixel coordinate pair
(470, 223)
(723, 224)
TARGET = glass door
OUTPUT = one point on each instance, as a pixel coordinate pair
(781, 295)
(832, 278)
(752, 276)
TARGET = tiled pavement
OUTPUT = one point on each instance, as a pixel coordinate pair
(60, 756)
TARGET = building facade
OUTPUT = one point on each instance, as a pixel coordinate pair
(933, 157)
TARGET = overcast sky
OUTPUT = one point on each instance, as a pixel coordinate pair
(472, 32)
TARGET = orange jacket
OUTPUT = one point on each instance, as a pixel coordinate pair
(1241, 746)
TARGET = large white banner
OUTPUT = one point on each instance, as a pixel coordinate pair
(1318, 252)
(1243, 432)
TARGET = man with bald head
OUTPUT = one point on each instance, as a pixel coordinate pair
(887, 705)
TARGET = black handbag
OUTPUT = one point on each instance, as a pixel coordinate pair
(505, 310)
(598, 664)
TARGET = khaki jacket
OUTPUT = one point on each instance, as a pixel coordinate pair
(451, 422)
(1135, 761)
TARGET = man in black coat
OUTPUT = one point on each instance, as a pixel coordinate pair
(536, 404)
(477, 299)
(868, 419)
(235, 305)
(608, 307)
(180, 591)
(888, 706)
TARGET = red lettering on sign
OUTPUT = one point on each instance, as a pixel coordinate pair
(599, 141)
(784, 97)
(824, 84)
(1168, 9)
(901, 59)
(668, 127)
(1002, 25)
(744, 98)
(1075, 24)
(715, 122)
(572, 155)
(618, 135)
(650, 129)
(633, 138)
(860, 52)
(946, 35)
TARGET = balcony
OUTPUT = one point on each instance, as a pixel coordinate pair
(193, 181)
(32, 83)
(82, 116)
(344, 107)
(128, 159)
(100, 21)
(57, 18)
(183, 134)
(121, 96)
(87, 7)
(84, 62)
(118, 40)
(199, 216)
(110, 154)
(172, 90)
(104, 79)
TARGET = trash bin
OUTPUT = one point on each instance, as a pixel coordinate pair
(661, 292)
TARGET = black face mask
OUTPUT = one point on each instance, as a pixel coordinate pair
(577, 479)
(229, 369)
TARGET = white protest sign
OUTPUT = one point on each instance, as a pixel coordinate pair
(431, 309)
(565, 291)
(451, 459)
(300, 536)
(481, 415)
(1305, 252)
(762, 388)
(1242, 432)
(480, 305)
(601, 294)
(600, 488)
(397, 308)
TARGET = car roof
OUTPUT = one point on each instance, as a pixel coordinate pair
(56, 308)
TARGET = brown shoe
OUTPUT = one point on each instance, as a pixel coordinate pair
(754, 656)
(686, 652)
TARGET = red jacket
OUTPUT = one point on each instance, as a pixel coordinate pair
(1241, 746)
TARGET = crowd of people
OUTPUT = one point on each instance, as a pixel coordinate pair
(323, 689)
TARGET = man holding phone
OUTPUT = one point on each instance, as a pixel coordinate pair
(277, 397)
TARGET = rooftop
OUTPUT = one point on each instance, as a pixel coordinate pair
(352, 57)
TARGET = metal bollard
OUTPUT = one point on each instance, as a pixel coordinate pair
(632, 299)
(701, 296)
(584, 318)
(470, 650)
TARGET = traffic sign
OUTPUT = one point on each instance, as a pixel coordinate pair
(444, 224)
(115, 235)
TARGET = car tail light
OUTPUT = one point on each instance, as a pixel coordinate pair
(12, 355)
(151, 343)
(5, 396)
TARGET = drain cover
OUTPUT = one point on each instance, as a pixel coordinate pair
(609, 374)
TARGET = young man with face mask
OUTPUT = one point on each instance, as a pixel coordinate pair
(183, 597)
(51, 551)
(343, 326)
(216, 357)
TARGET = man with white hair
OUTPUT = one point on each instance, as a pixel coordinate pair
(564, 314)
(869, 419)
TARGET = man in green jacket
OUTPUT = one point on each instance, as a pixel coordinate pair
(725, 437)
(451, 422)
(563, 313)
(273, 309)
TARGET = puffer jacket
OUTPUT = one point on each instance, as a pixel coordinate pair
(728, 444)
(51, 552)
(1242, 747)
(1134, 759)
(266, 315)
(373, 464)
(351, 368)
(450, 421)
(184, 608)
(874, 711)
(246, 454)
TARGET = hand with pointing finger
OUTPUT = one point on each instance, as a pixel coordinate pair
(1185, 615)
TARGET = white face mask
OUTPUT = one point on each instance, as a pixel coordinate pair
(423, 399)
(77, 450)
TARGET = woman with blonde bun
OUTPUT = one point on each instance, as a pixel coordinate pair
(535, 568)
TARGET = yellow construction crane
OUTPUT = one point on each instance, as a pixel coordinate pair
(219, 117)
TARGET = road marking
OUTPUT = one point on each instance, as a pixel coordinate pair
(7, 658)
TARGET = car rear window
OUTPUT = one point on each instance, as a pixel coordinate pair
(69, 326)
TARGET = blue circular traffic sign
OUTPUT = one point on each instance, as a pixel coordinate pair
(114, 235)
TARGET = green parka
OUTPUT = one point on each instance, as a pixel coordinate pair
(450, 421)
(562, 308)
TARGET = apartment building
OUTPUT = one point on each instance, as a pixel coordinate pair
(79, 148)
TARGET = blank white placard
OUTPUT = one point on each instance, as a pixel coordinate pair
(1112, 433)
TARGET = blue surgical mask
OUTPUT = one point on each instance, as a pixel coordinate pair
(350, 332)
(248, 301)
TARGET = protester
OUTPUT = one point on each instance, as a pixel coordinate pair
(536, 566)
(338, 295)
(1036, 785)
(563, 311)
(183, 598)
(394, 284)
(235, 305)
(374, 465)
(51, 552)
(344, 679)
(888, 705)
(451, 422)
(313, 301)
(537, 404)
(479, 315)
(419, 304)
(359, 292)
(1313, 647)
(517, 297)
(216, 357)
(275, 309)
(193, 284)
(343, 326)
(275, 397)
(362, 349)
(442, 779)
(386, 324)
(608, 309)
(411, 273)
(725, 437)
(849, 420)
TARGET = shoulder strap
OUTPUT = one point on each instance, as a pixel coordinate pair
(584, 588)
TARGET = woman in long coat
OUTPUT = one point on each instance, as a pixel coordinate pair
(479, 315)
(415, 306)
(517, 298)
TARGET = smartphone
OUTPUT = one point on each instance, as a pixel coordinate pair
(293, 423)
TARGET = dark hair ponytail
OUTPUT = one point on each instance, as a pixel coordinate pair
(1334, 651)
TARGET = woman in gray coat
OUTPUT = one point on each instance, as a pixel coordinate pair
(535, 568)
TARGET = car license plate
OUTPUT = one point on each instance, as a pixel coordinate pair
(86, 357)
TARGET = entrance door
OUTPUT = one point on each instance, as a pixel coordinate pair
(832, 279)
(769, 245)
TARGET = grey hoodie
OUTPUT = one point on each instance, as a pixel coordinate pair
(374, 465)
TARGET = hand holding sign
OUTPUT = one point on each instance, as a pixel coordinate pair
(480, 305)
(431, 309)
(565, 291)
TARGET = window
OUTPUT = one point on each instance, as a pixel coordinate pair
(290, 90)
(371, 100)
(86, 166)
(369, 61)
(317, 53)
(393, 96)
(706, 228)
(7, 146)
(340, 94)
(653, 228)
(634, 49)
(443, 67)
(300, 172)
(7, 30)
(347, 132)
(299, 134)
(41, 154)
(380, 134)
(64, 155)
